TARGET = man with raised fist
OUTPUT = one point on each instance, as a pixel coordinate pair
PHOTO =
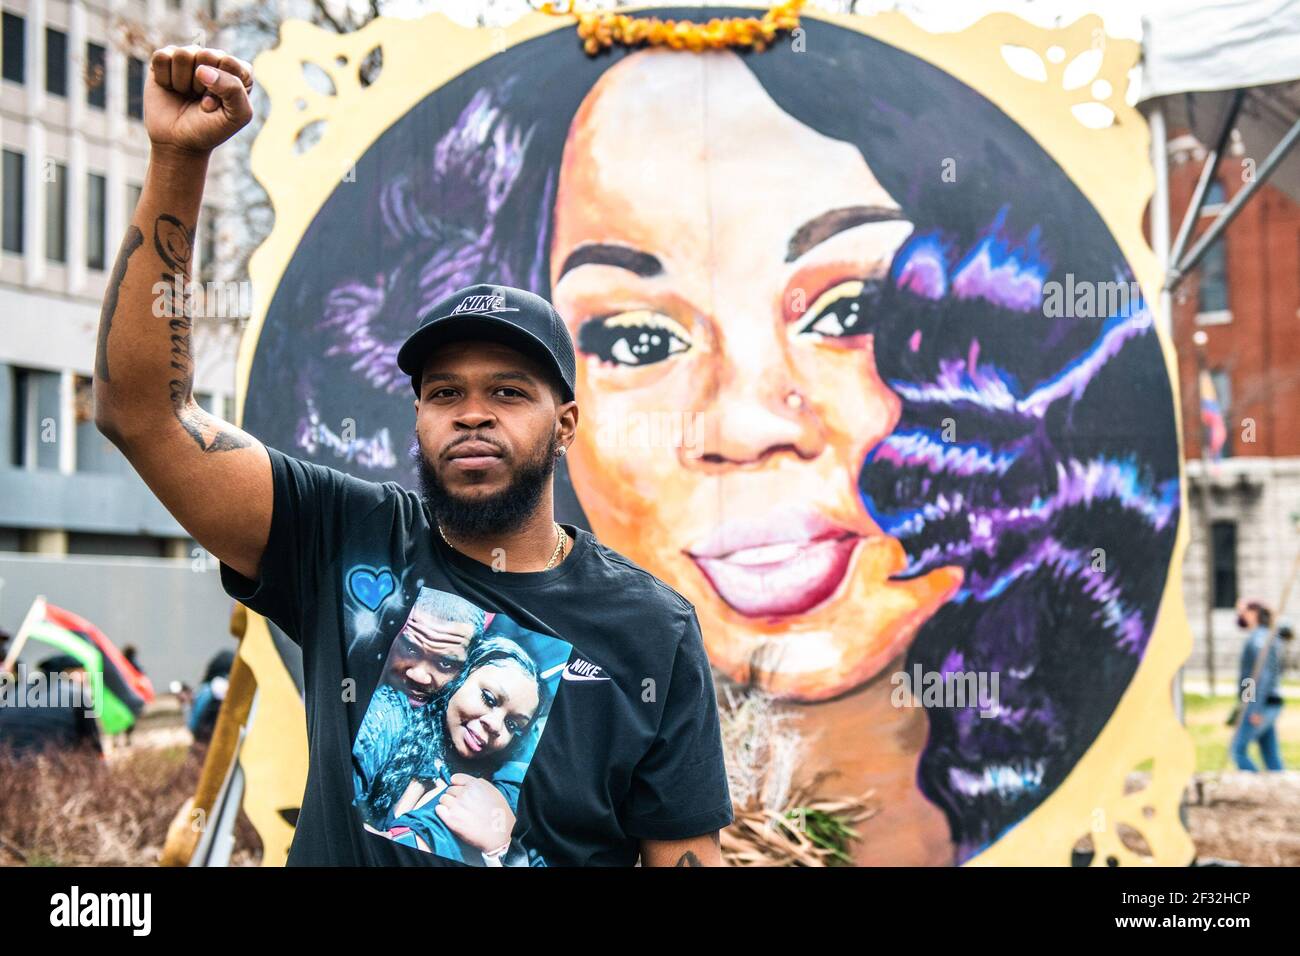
(572, 720)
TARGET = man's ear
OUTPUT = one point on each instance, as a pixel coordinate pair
(567, 423)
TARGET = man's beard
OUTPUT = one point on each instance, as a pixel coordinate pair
(488, 515)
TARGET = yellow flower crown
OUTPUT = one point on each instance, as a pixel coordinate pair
(600, 30)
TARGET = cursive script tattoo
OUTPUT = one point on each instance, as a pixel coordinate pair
(133, 240)
(174, 244)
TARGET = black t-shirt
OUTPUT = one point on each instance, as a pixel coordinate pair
(463, 714)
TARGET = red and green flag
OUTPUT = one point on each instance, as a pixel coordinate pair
(125, 689)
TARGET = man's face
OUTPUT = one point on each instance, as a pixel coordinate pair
(488, 426)
(427, 654)
(1247, 617)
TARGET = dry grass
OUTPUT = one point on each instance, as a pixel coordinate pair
(73, 809)
(779, 823)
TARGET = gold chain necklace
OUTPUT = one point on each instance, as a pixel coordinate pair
(559, 543)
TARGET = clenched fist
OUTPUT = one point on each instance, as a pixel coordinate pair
(196, 98)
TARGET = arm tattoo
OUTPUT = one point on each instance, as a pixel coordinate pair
(174, 244)
(133, 241)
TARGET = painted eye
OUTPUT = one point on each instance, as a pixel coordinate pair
(639, 337)
(842, 310)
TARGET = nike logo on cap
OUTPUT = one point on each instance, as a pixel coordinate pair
(495, 302)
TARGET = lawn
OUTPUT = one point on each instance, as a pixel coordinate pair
(1205, 718)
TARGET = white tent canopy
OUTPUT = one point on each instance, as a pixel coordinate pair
(1215, 67)
(1224, 45)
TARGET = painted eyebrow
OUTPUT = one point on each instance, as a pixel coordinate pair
(821, 227)
(612, 254)
(812, 233)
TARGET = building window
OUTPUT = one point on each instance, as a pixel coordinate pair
(132, 198)
(208, 245)
(128, 545)
(1223, 536)
(56, 62)
(1214, 199)
(15, 47)
(13, 192)
(96, 76)
(135, 87)
(95, 453)
(214, 403)
(56, 214)
(96, 224)
(1212, 288)
(36, 419)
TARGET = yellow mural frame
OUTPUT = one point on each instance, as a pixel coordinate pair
(1110, 165)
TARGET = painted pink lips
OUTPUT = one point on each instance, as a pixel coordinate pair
(784, 562)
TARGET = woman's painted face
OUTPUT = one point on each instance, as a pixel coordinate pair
(494, 706)
(707, 253)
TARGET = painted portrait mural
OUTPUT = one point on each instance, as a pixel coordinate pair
(838, 380)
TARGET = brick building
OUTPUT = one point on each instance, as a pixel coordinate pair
(1245, 298)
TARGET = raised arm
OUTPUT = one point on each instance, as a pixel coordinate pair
(214, 478)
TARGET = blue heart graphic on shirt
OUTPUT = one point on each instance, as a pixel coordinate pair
(371, 587)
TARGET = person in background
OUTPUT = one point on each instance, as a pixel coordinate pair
(132, 655)
(61, 721)
(1260, 693)
(211, 692)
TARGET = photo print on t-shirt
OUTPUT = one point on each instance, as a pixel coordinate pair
(440, 756)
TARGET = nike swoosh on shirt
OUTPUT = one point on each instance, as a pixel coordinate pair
(585, 671)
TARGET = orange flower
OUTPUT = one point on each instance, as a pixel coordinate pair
(601, 30)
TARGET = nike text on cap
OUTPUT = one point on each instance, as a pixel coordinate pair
(498, 313)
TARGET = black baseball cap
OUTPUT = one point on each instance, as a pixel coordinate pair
(498, 313)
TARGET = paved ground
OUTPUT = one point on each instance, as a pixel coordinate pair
(1248, 818)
